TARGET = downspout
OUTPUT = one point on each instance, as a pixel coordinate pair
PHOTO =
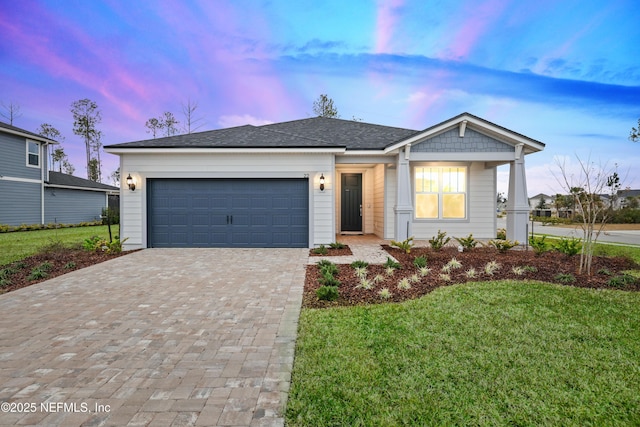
(43, 150)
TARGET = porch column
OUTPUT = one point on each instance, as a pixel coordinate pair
(518, 201)
(404, 207)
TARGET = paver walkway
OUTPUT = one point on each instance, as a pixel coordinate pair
(159, 337)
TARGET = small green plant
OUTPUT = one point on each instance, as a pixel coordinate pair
(445, 277)
(420, 261)
(467, 243)
(530, 269)
(360, 272)
(503, 245)
(327, 293)
(321, 250)
(337, 245)
(621, 281)
(424, 271)
(46, 266)
(538, 244)
(70, 265)
(454, 264)
(328, 268)
(90, 244)
(365, 283)
(391, 263)
(405, 245)
(565, 278)
(390, 271)
(404, 284)
(605, 272)
(359, 264)
(491, 267)
(569, 246)
(329, 280)
(379, 278)
(37, 274)
(385, 293)
(439, 241)
(501, 234)
(518, 270)
(471, 273)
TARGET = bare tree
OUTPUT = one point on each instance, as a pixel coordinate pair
(323, 107)
(592, 181)
(12, 111)
(191, 123)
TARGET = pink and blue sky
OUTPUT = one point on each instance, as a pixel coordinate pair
(564, 72)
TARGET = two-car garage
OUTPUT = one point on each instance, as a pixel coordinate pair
(228, 212)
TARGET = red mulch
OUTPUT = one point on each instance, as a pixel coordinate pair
(548, 266)
(61, 261)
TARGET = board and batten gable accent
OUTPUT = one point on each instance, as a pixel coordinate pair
(450, 141)
(143, 166)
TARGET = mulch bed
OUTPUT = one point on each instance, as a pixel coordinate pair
(332, 252)
(52, 264)
(547, 267)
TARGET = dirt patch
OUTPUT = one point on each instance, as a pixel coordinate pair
(45, 266)
(551, 267)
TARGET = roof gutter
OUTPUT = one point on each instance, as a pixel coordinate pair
(235, 150)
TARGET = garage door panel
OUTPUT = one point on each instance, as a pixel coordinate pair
(228, 212)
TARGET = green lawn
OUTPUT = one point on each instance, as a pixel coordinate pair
(20, 244)
(491, 353)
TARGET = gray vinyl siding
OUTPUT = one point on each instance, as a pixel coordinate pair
(66, 206)
(13, 158)
(19, 203)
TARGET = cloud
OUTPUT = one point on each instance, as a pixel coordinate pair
(241, 120)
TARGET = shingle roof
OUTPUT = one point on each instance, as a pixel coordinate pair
(14, 129)
(316, 132)
(59, 178)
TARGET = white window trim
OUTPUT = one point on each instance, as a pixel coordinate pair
(440, 166)
(29, 165)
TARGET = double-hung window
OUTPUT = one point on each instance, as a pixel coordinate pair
(33, 154)
(441, 192)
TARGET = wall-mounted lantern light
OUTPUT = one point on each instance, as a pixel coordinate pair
(130, 183)
(321, 182)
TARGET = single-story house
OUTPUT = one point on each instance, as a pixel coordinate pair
(30, 193)
(302, 182)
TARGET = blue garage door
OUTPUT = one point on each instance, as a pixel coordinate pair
(244, 213)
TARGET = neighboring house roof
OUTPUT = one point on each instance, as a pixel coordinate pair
(62, 180)
(628, 193)
(6, 127)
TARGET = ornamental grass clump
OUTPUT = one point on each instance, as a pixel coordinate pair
(385, 293)
(404, 284)
(491, 267)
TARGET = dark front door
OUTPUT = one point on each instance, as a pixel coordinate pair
(351, 202)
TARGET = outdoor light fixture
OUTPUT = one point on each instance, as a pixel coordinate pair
(321, 182)
(130, 183)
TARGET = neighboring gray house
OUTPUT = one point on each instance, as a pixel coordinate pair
(31, 194)
(299, 183)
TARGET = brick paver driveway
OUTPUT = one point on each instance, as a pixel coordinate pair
(158, 337)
